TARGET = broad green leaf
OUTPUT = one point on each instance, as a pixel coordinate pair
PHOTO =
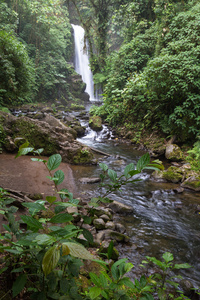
(78, 250)
(50, 260)
(112, 174)
(34, 205)
(94, 292)
(87, 234)
(182, 266)
(39, 151)
(127, 169)
(59, 176)
(45, 239)
(87, 220)
(2, 212)
(31, 222)
(54, 161)
(128, 267)
(167, 256)
(51, 199)
(61, 218)
(103, 166)
(103, 281)
(133, 172)
(24, 151)
(126, 281)
(65, 250)
(115, 272)
(143, 162)
(19, 284)
(95, 279)
(64, 193)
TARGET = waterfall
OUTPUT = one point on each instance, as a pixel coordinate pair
(82, 61)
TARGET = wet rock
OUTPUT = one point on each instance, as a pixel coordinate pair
(121, 208)
(89, 180)
(99, 211)
(104, 250)
(120, 228)
(178, 190)
(99, 223)
(192, 183)
(173, 152)
(173, 174)
(100, 236)
(116, 236)
(95, 122)
(110, 225)
(105, 218)
(79, 130)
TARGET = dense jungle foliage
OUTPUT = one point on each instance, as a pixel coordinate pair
(145, 54)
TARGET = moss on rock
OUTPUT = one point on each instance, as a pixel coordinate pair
(95, 123)
(173, 174)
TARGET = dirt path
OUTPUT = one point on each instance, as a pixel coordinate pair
(24, 175)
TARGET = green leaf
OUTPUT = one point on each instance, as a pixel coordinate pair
(59, 176)
(50, 260)
(127, 169)
(133, 172)
(61, 218)
(126, 281)
(110, 249)
(95, 279)
(182, 266)
(103, 166)
(167, 256)
(19, 284)
(54, 161)
(87, 234)
(37, 159)
(31, 222)
(24, 151)
(34, 206)
(78, 250)
(112, 174)
(51, 199)
(45, 239)
(87, 220)
(94, 292)
(143, 162)
(115, 272)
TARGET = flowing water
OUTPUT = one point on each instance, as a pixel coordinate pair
(163, 220)
(81, 61)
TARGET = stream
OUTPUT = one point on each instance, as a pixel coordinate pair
(163, 219)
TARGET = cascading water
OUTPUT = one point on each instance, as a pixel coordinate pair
(82, 61)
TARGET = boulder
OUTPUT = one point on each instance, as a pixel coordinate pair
(48, 133)
(95, 123)
(110, 225)
(116, 236)
(173, 174)
(192, 183)
(121, 208)
(99, 224)
(99, 211)
(173, 152)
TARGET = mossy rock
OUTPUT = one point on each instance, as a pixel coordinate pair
(95, 123)
(173, 153)
(173, 174)
(104, 249)
(83, 156)
(192, 183)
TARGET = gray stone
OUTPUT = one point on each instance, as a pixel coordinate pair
(120, 228)
(99, 223)
(110, 225)
(99, 211)
(120, 208)
(99, 237)
(114, 235)
(72, 210)
(89, 180)
(105, 218)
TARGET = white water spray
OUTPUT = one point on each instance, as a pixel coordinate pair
(82, 61)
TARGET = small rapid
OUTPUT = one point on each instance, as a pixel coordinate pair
(163, 219)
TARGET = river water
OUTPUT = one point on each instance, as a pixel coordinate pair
(163, 220)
